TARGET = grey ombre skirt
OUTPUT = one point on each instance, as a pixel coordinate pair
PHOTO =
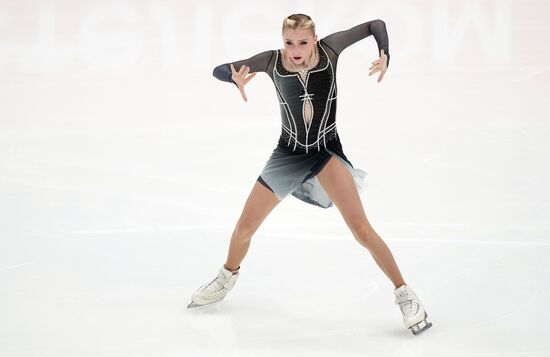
(293, 173)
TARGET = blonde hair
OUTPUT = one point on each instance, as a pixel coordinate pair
(296, 21)
(300, 21)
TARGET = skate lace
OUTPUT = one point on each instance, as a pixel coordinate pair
(409, 306)
(215, 280)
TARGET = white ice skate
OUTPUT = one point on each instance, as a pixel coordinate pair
(214, 290)
(414, 315)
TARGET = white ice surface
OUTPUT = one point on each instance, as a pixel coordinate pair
(124, 166)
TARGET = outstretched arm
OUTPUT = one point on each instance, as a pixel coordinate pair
(338, 41)
(256, 63)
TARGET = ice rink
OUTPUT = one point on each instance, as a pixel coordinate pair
(124, 166)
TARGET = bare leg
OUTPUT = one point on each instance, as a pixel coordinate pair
(340, 187)
(259, 204)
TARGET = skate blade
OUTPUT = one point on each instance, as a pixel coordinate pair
(193, 305)
(421, 326)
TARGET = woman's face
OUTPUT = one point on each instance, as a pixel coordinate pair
(298, 44)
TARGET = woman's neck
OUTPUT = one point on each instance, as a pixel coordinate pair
(295, 67)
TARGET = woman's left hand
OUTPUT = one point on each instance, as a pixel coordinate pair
(381, 65)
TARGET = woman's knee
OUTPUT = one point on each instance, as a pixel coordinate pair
(364, 233)
(244, 229)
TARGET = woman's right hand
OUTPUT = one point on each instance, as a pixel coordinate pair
(241, 79)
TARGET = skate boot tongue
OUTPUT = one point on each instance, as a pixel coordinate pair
(400, 291)
(228, 272)
(403, 295)
(401, 288)
(224, 273)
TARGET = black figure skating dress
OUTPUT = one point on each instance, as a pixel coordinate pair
(307, 141)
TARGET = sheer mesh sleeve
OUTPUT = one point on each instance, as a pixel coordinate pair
(338, 41)
(257, 63)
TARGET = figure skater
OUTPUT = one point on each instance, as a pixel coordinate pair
(308, 161)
